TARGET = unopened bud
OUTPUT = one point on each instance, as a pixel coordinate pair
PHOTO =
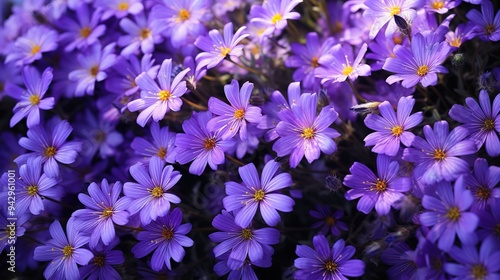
(458, 60)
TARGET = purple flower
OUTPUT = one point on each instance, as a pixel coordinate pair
(489, 222)
(103, 210)
(141, 34)
(166, 237)
(273, 14)
(382, 48)
(487, 27)
(101, 266)
(440, 6)
(329, 222)
(119, 8)
(156, 100)
(303, 133)
(245, 271)
(64, 253)
(241, 242)
(448, 216)
(380, 190)
(383, 12)
(402, 262)
(50, 144)
(339, 65)
(233, 119)
(216, 48)
(418, 65)
(324, 262)
(483, 184)
(34, 187)
(199, 145)
(149, 195)
(162, 144)
(472, 264)
(28, 48)
(482, 120)
(31, 100)
(438, 157)
(260, 193)
(391, 129)
(8, 233)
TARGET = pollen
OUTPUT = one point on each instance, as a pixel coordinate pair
(123, 6)
(489, 29)
(479, 272)
(259, 195)
(35, 49)
(395, 10)
(483, 193)
(314, 62)
(488, 124)
(157, 192)
(167, 233)
(397, 130)
(67, 251)
(184, 15)
(224, 51)
(276, 18)
(164, 95)
(307, 133)
(331, 266)
(422, 70)
(247, 233)
(456, 42)
(330, 221)
(145, 33)
(239, 114)
(34, 99)
(453, 214)
(107, 212)
(397, 39)
(347, 70)
(209, 143)
(85, 32)
(99, 260)
(379, 186)
(32, 190)
(436, 5)
(50, 151)
(94, 70)
(162, 152)
(439, 154)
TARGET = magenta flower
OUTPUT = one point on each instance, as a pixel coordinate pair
(230, 120)
(273, 15)
(339, 65)
(259, 193)
(30, 47)
(487, 27)
(216, 48)
(156, 100)
(383, 12)
(380, 190)
(391, 129)
(418, 65)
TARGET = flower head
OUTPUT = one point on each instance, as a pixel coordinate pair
(483, 184)
(30, 47)
(329, 222)
(141, 34)
(339, 65)
(84, 31)
(162, 144)
(101, 266)
(487, 26)
(273, 14)
(383, 12)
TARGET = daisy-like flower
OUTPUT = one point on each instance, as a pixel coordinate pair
(483, 184)
(101, 266)
(489, 222)
(141, 34)
(339, 65)
(34, 186)
(438, 157)
(233, 119)
(383, 12)
(463, 32)
(241, 242)
(487, 26)
(440, 6)
(245, 271)
(156, 100)
(162, 144)
(199, 145)
(30, 47)
(64, 253)
(329, 222)
(259, 193)
(303, 133)
(482, 120)
(324, 262)
(31, 100)
(166, 237)
(50, 144)
(150, 197)
(119, 8)
(380, 190)
(418, 65)
(216, 48)
(448, 216)
(103, 210)
(402, 261)
(273, 14)
(391, 129)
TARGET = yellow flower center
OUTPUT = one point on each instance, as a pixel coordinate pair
(422, 70)
(456, 42)
(34, 99)
(259, 195)
(436, 5)
(331, 266)
(247, 233)
(209, 143)
(94, 70)
(107, 212)
(489, 29)
(483, 193)
(453, 214)
(167, 233)
(439, 154)
(397, 130)
(395, 10)
(123, 6)
(224, 51)
(164, 95)
(479, 272)
(67, 250)
(330, 221)
(157, 192)
(397, 39)
(314, 62)
(239, 114)
(35, 49)
(307, 133)
(145, 33)
(184, 15)
(347, 70)
(162, 152)
(379, 186)
(85, 32)
(50, 151)
(276, 18)
(32, 190)
(489, 124)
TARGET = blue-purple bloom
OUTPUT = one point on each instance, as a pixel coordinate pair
(101, 266)
(340, 64)
(273, 14)
(83, 32)
(30, 47)
(483, 183)
(142, 34)
(150, 195)
(487, 27)
(383, 12)
(166, 237)
(324, 262)
(380, 190)
(260, 193)
(402, 260)
(162, 144)
(119, 8)
(329, 221)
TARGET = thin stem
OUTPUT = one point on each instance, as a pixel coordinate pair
(194, 105)
(355, 91)
(245, 67)
(234, 160)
